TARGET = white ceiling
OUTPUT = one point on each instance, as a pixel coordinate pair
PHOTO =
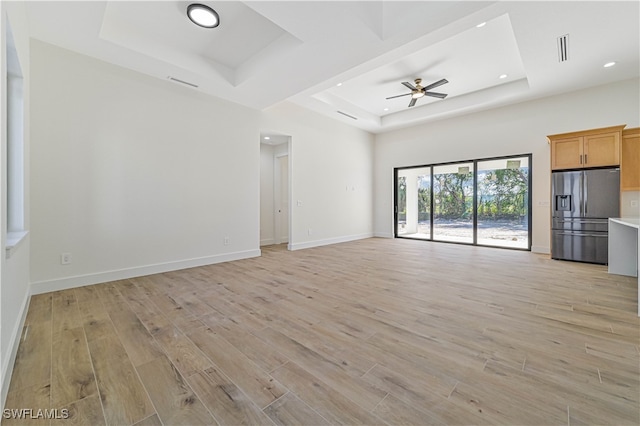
(265, 52)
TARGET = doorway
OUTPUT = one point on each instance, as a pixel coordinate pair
(480, 202)
(275, 212)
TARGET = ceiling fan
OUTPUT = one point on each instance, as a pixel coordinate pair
(418, 91)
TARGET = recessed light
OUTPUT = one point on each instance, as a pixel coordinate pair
(481, 24)
(386, 109)
(203, 16)
(609, 64)
(503, 76)
(266, 138)
(339, 84)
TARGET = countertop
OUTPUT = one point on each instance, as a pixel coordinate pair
(629, 221)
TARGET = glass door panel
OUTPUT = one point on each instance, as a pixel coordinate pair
(401, 207)
(503, 202)
(424, 204)
(453, 203)
(414, 203)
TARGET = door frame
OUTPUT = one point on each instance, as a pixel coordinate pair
(475, 190)
(281, 144)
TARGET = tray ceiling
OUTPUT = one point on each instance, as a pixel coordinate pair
(266, 52)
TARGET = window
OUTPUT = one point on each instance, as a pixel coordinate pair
(481, 202)
(15, 218)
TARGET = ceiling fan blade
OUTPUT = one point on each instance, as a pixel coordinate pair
(413, 102)
(409, 85)
(436, 94)
(397, 96)
(436, 84)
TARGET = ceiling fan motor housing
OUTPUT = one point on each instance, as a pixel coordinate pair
(418, 91)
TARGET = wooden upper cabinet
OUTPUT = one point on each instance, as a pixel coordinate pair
(630, 160)
(588, 148)
(567, 153)
(602, 149)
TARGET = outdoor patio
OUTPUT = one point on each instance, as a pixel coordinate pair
(500, 233)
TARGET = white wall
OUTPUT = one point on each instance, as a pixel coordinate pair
(14, 268)
(516, 129)
(630, 204)
(331, 176)
(134, 175)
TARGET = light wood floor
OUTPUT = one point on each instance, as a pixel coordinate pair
(371, 332)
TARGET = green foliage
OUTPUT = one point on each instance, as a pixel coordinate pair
(502, 194)
(402, 195)
(453, 195)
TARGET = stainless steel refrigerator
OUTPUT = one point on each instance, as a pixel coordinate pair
(582, 203)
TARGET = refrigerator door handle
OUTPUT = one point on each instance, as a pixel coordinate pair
(581, 192)
(582, 221)
(586, 191)
(578, 234)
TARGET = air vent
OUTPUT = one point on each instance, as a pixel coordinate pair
(347, 115)
(182, 81)
(563, 48)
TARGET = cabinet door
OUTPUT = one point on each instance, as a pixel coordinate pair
(602, 149)
(630, 161)
(566, 153)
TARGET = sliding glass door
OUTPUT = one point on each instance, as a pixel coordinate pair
(453, 203)
(503, 202)
(413, 202)
(481, 202)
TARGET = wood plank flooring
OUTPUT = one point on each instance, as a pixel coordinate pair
(372, 332)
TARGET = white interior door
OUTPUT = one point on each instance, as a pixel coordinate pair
(282, 199)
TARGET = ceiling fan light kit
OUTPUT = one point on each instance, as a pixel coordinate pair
(203, 16)
(418, 91)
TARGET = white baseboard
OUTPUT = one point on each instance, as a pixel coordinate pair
(540, 249)
(329, 241)
(7, 365)
(122, 274)
(383, 235)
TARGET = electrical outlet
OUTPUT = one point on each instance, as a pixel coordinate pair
(65, 259)
(226, 241)
(634, 203)
(310, 231)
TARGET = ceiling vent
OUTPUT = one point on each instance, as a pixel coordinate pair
(563, 48)
(177, 80)
(347, 115)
